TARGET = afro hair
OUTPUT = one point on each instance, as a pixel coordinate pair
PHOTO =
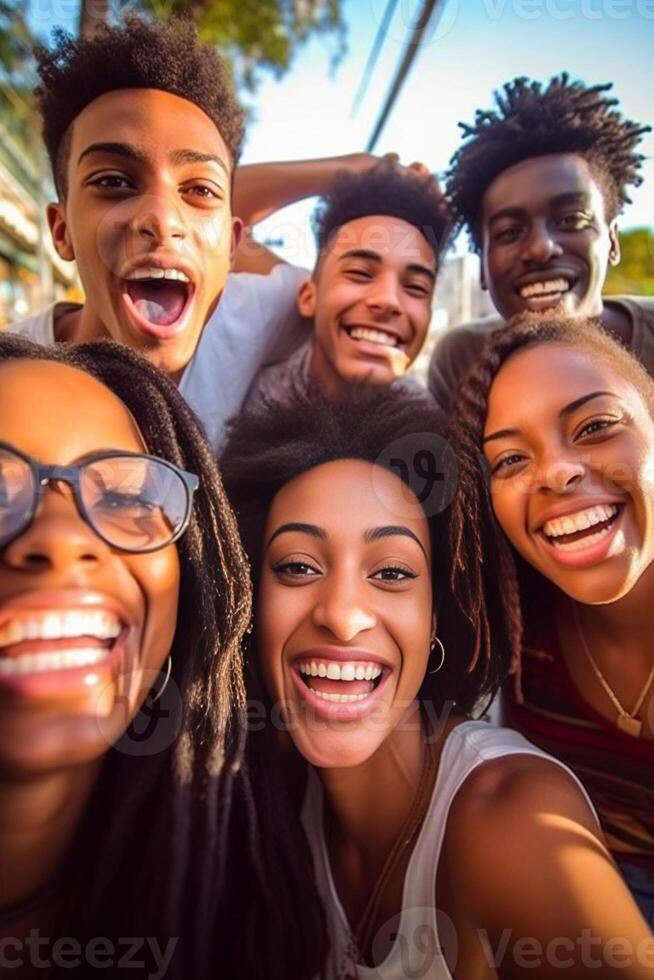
(533, 120)
(165, 55)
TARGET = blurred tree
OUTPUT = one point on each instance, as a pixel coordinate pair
(252, 34)
(635, 274)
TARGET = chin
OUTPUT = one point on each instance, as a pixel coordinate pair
(327, 750)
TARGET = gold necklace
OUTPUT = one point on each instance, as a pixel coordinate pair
(626, 720)
(362, 933)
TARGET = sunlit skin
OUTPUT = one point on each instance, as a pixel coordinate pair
(336, 590)
(544, 219)
(378, 273)
(549, 458)
(58, 563)
(144, 189)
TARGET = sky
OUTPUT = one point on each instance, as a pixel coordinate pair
(472, 48)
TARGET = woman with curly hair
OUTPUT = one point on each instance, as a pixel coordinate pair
(441, 845)
(564, 416)
(126, 810)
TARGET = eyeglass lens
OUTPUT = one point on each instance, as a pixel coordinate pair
(135, 503)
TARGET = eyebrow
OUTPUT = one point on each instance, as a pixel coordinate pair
(575, 197)
(132, 152)
(565, 411)
(371, 256)
(372, 534)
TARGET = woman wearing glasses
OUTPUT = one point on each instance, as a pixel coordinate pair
(442, 846)
(124, 598)
(565, 418)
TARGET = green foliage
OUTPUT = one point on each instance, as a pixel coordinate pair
(635, 273)
(258, 35)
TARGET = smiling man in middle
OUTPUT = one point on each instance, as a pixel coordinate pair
(380, 236)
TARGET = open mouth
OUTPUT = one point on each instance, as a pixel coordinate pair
(545, 292)
(158, 299)
(382, 338)
(52, 641)
(583, 529)
(341, 682)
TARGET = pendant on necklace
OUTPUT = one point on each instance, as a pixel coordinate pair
(630, 725)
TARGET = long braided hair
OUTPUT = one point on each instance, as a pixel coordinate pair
(164, 833)
(473, 529)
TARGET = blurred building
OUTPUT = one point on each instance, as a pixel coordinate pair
(459, 298)
(31, 273)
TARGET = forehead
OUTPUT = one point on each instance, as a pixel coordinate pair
(392, 239)
(534, 183)
(40, 412)
(155, 121)
(542, 380)
(361, 495)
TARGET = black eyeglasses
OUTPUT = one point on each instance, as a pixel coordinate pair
(134, 502)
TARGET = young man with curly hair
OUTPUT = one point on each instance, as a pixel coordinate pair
(380, 235)
(538, 183)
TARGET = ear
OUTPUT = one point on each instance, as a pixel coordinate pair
(433, 625)
(306, 298)
(58, 224)
(237, 234)
(614, 238)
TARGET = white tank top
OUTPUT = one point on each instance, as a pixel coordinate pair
(419, 934)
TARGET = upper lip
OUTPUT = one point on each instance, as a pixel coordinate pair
(44, 600)
(160, 260)
(383, 327)
(545, 275)
(342, 655)
(572, 507)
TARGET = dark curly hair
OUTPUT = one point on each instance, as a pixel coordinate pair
(165, 55)
(383, 189)
(186, 842)
(273, 443)
(532, 119)
(472, 496)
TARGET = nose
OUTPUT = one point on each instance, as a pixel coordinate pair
(541, 244)
(159, 219)
(57, 540)
(342, 608)
(383, 295)
(559, 473)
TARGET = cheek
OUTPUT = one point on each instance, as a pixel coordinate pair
(276, 617)
(509, 508)
(159, 581)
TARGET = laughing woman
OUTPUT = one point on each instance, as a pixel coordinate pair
(442, 847)
(124, 598)
(566, 418)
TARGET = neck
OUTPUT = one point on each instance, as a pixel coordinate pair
(322, 372)
(38, 821)
(79, 326)
(625, 624)
(384, 786)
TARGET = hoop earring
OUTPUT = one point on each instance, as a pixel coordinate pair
(436, 642)
(169, 667)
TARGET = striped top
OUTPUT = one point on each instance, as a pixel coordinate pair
(616, 769)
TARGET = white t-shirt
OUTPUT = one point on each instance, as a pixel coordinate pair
(255, 324)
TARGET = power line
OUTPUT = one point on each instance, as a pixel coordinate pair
(377, 45)
(410, 52)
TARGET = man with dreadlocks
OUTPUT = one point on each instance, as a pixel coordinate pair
(538, 184)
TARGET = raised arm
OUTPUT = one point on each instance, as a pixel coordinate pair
(537, 890)
(260, 189)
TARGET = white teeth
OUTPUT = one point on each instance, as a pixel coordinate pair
(60, 625)
(582, 543)
(374, 336)
(31, 663)
(341, 672)
(541, 288)
(580, 521)
(154, 272)
(339, 697)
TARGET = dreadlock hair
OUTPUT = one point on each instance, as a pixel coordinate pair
(531, 120)
(165, 55)
(384, 190)
(168, 846)
(274, 443)
(472, 505)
